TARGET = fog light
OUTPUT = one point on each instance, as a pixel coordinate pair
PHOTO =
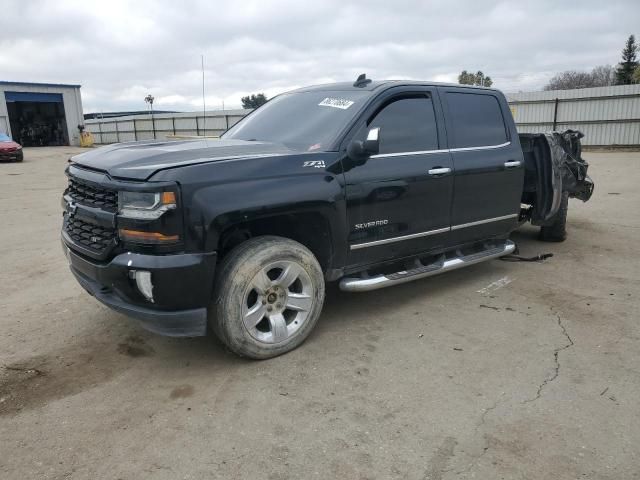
(143, 282)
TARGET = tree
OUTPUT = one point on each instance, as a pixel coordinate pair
(624, 73)
(603, 76)
(149, 99)
(570, 80)
(253, 100)
(636, 75)
(600, 76)
(466, 78)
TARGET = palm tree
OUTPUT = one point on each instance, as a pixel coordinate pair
(149, 99)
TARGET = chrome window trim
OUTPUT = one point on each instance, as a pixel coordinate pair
(358, 246)
(486, 147)
(406, 154)
(445, 150)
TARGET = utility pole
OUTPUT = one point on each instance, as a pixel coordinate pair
(204, 109)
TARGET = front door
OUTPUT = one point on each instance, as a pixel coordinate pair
(398, 202)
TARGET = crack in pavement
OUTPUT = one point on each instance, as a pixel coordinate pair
(556, 352)
(549, 379)
(440, 459)
(486, 412)
(474, 460)
(485, 448)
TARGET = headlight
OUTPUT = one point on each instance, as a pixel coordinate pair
(145, 205)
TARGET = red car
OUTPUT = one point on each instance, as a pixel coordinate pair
(10, 150)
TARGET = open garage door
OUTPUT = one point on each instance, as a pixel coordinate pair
(37, 119)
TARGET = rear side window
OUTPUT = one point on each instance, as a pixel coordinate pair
(476, 119)
(407, 125)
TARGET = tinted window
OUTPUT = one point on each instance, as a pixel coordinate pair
(407, 125)
(477, 120)
(307, 120)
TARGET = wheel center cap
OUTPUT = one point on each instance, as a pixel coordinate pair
(272, 297)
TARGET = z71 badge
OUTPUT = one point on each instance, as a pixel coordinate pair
(314, 163)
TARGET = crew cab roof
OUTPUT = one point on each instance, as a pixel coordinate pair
(381, 85)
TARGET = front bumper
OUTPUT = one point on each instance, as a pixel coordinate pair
(15, 156)
(182, 287)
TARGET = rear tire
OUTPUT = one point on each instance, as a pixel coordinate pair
(268, 297)
(556, 231)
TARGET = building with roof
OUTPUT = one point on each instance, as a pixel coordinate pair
(41, 114)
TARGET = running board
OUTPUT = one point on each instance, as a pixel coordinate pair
(443, 264)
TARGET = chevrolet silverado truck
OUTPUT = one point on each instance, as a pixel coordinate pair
(370, 184)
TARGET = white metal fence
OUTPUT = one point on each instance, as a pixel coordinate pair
(608, 116)
(161, 126)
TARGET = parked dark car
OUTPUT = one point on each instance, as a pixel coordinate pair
(10, 151)
(371, 184)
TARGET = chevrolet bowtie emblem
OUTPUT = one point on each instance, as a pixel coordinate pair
(71, 208)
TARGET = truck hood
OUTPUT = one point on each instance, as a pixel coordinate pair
(140, 160)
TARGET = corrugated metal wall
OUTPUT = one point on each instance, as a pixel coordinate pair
(608, 116)
(143, 127)
(71, 100)
(4, 124)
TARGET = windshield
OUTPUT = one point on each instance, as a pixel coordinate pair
(4, 138)
(303, 121)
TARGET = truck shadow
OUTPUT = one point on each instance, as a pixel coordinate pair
(117, 345)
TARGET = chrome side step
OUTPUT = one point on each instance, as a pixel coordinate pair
(441, 265)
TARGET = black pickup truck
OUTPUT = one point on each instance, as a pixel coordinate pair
(370, 184)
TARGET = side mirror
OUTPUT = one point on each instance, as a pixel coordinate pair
(372, 143)
(359, 151)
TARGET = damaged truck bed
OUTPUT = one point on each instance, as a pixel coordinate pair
(553, 167)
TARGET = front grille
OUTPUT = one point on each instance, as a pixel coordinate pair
(93, 196)
(97, 238)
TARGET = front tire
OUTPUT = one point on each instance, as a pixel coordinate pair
(268, 297)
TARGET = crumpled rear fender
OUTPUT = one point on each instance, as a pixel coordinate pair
(554, 165)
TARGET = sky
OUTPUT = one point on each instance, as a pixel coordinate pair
(120, 51)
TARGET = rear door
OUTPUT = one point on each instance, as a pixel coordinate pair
(488, 161)
(398, 202)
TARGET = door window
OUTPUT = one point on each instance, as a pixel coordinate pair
(476, 119)
(406, 125)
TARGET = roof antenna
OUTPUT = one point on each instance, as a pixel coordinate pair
(362, 81)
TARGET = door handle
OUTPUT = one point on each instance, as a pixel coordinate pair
(512, 164)
(439, 171)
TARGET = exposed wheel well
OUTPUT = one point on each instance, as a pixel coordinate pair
(309, 229)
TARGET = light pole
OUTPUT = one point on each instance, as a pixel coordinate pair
(149, 99)
(204, 108)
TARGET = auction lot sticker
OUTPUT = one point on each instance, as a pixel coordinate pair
(340, 103)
